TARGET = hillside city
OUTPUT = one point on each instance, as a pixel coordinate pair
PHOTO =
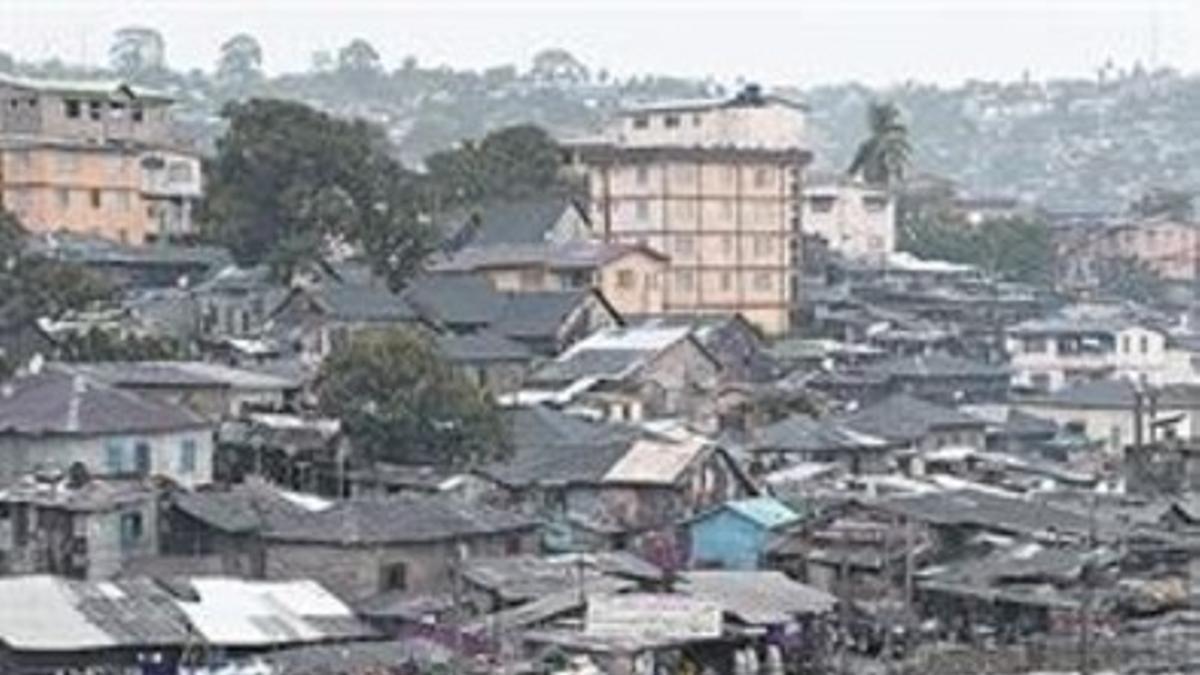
(381, 369)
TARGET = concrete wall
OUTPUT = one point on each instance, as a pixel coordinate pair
(91, 116)
(728, 227)
(358, 572)
(20, 455)
(855, 220)
(770, 126)
(727, 540)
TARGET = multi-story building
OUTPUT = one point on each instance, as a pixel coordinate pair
(1048, 354)
(95, 158)
(716, 187)
(1091, 252)
(853, 218)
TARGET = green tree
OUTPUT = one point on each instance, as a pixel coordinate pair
(137, 51)
(558, 66)
(40, 286)
(1016, 249)
(513, 162)
(240, 63)
(400, 402)
(98, 344)
(1132, 279)
(1174, 204)
(883, 157)
(359, 57)
(288, 182)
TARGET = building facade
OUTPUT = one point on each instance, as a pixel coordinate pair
(716, 187)
(94, 158)
(854, 219)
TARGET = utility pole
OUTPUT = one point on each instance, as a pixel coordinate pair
(1085, 613)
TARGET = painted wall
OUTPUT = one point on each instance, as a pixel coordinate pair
(727, 540)
(20, 455)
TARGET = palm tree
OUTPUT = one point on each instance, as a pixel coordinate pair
(883, 157)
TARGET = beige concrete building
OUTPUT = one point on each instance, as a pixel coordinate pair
(95, 158)
(715, 186)
(631, 277)
(854, 219)
(1170, 248)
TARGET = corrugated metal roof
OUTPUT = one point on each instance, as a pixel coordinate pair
(655, 462)
(768, 512)
(757, 597)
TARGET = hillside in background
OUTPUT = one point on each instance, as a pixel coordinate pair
(1066, 144)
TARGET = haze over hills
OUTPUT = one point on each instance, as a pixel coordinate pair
(1066, 144)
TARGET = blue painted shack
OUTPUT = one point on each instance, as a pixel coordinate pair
(735, 534)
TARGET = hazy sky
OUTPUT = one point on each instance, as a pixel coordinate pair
(799, 42)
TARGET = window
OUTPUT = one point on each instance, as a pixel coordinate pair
(141, 458)
(727, 244)
(762, 281)
(512, 545)
(179, 172)
(132, 530)
(686, 210)
(393, 577)
(641, 122)
(1144, 344)
(1035, 345)
(116, 110)
(187, 456)
(727, 210)
(95, 197)
(685, 173)
(95, 110)
(671, 121)
(532, 279)
(685, 245)
(138, 113)
(874, 204)
(684, 281)
(71, 108)
(730, 175)
(821, 204)
(697, 119)
(643, 175)
(762, 177)
(762, 245)
(63, 197)
(625, 279)
(642, 210)
(726, 281)
(114, 457)
(1125, 344)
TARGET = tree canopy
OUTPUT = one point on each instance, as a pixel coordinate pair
(137, 51)
(513, 162)
(1017, 249)
(289, 182)
(400, 402)
(883, 157)
(35, 287)
(240, 63)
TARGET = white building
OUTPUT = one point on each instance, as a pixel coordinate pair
(853, 218)
(1048, 354)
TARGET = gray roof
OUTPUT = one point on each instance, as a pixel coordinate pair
(182, 374)
(540, 314)
(757, 597)
(243, 508)
(801, 433)
(934, 366)
(994, 511)
(456, 300)
(60, 401)
(397, 520)
(527, 577)
(552, 447)
(903, 418)
(366, 303)
(481, 347)
(1114, 394)
(526, 221)
(568, 255)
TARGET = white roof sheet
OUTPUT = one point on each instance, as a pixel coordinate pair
(235, 612)
(655, 462)
(40, 613)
